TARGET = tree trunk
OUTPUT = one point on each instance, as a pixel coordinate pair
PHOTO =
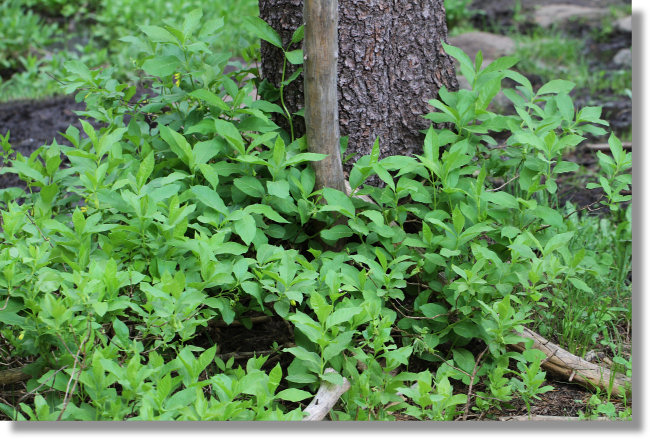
(391, 62)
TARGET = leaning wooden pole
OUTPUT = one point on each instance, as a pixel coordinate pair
(321, 103)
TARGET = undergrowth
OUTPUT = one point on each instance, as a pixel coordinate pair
(191, 206)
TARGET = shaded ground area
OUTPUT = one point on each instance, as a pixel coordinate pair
(32, 124)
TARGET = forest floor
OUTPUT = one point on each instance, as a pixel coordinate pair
(34, 123)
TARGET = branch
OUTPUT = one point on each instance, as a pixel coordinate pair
(328, 394)
(568, 365)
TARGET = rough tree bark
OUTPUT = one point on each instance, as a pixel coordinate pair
(391, 62)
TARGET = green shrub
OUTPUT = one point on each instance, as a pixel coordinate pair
(200, 208)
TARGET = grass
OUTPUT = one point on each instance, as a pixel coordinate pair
(34, 47)
(583, 321)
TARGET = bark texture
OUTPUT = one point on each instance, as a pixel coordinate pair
(391, 62)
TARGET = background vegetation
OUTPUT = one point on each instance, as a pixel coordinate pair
(186, 205)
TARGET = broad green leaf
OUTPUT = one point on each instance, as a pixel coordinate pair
(210, 174)
(338, 202)
(295, 56)
(229, 131)
(467, 329)
(279, 189)
(262, 30)
(342, 315)
(178, 144)
(210, 98)
(210, 198)
(158, 34)
(458, 219)
(145, 169)
(279, 151)
(558, 241)
(293, 395)
(192, 21)
(338, 345)
(464, 359)
(556, 86)
(298, 34)
(246, 228)
(250, 186)
(337, 232)
(565, 166)
(267, 211)
(580, 284)
(161, 66)
(549, 216)
(304, 157)
(501, 199)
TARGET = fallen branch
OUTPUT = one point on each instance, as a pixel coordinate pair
(15, 375)
(605, 146)
(563, 363)
(328, 394)
(550, 418)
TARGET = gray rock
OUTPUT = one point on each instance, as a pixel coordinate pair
(623, 58)
(492, 46)
(561, 14)
(624, 24)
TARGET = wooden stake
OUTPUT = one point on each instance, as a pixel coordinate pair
(321, 100)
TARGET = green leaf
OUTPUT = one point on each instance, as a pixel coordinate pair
(229, 131)
(210, 174)
(279, 151)
(304, 157)
(246, 228)
(250, 186)
(338, 202)
(210, 198)
(178, 144)
(342, 315)
(558, 241)
(338, 345)
(565, 166)
(295, 56)
(337, 232)
(581, 285)
(210, 98)
(262, 30)
(267, 211)
(293, 395)
(145, 169)
(467, 329)
(158, 34)
(192, 21)
(298, 34)
(458, 219)
(278, 189)
(100, 308)
(161, 66)
(556, 86)
(549, 216)
(464, 359)
(501, 199)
